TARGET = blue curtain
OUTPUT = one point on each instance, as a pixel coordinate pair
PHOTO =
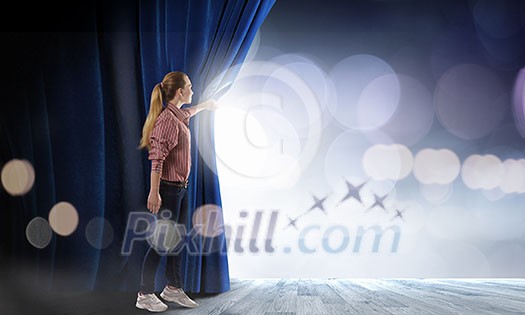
(73, 106)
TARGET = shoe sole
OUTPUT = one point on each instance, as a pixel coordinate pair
(147, 309)
(162, 295)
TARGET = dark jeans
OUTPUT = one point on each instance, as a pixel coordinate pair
(175, 200)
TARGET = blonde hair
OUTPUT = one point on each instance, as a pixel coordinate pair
(163, 91)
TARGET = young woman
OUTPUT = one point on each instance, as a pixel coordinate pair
(167, 137)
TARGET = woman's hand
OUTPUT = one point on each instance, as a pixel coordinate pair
(154, 202)
(211, 104)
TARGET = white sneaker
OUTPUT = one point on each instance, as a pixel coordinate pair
(178, 296)
(150, 302)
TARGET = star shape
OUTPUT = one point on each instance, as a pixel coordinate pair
(318, 203)
(378, 202)
(353, 192)
(292, 222)
(399, 214)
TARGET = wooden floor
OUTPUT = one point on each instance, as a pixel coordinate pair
(367, 296)
(301, 296)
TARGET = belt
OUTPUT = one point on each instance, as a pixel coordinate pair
(179, 184)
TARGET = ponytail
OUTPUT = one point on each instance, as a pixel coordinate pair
(163, 91)
(154, 111)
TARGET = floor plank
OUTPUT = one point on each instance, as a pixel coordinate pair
(286, 300)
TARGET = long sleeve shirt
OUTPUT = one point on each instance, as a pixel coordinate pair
(170, 143)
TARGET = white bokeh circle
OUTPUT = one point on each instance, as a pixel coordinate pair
(414, 116)
(344, 156)
(482, 171)
(394, 161)
(513, 177)
(493, 194)
(320, 84)
(367, 92)
(433, 166)
(436, 193)
(166, 235)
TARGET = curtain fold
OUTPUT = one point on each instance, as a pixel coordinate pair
(74, 106)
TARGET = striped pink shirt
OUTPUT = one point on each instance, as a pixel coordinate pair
(170, 143)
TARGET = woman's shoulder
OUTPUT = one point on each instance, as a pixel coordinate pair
(165, 115)
(161, 120)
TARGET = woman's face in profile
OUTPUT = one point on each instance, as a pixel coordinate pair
(187, 92)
